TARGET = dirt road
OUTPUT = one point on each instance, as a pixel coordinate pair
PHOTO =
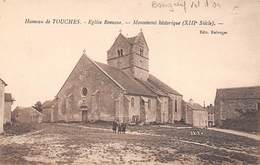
(77, 144)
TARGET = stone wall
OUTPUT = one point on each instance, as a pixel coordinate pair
(7, 112)
(200, 118)
(135, 105)
(120, 43)
(229, 109)
(189, 115)
(100, 99)
(177, 113)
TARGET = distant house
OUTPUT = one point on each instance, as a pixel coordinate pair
(2, 102)
(48, 110)
(196, 115)
(26, 115)
(8, 107)
(211, 115)
(230, 102)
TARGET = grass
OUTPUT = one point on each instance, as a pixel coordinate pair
(17, 128)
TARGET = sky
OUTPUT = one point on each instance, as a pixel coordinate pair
(36, 59)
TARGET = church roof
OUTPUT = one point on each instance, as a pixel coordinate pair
(238, 93)
(131, 85)
(162, 86)
(152, 87)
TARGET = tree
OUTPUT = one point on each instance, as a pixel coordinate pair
(38, 106)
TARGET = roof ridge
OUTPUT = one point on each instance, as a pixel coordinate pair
(150, 88)
(3, 82)
(172, 91)
(239, 87)
(141, 82)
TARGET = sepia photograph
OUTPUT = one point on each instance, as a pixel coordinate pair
(114, 82)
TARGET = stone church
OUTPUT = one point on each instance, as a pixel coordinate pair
(122, 89)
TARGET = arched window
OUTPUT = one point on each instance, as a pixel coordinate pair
(118, 52)
(149, 104)
(122, 53)
(84, 91)
(132, 102)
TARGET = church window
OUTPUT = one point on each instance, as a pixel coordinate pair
(84, 91)
(132, 102)
(176, 106)
(149, 104)
(258, 106)
(141, 52)
(120, 52)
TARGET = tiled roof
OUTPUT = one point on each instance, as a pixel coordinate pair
(152, 87)
(131, 85)
(195, 106)
(161, 85)
(238, 93)
(26, 110)
(48, 104)
(8, 97)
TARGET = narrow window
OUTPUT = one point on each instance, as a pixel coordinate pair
(176, 106)
(149, 104)
(258, 106)
(122, 53)
(141, 52)
(118, 52)
(132, 102)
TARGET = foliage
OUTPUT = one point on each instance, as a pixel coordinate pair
(38, 106)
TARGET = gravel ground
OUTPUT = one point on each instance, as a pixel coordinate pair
(96, 144)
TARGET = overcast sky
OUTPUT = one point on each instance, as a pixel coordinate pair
(35, 60)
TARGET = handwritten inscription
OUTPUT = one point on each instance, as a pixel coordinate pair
(186, 5)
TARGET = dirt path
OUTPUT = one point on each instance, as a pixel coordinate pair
(244, 134)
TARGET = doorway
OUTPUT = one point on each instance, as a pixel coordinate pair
(84, 116)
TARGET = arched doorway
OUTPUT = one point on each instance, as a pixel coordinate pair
(84, 109)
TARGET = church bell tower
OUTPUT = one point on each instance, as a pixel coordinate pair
(131, 55)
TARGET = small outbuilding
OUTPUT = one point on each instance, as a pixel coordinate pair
(8, 107)
(48, 110)
(26, 115)
(2, 102)
(196, 115)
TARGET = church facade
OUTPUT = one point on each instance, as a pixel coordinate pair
(122, 89)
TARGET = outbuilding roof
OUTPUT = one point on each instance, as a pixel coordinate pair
(195, 106)
(238, 93)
